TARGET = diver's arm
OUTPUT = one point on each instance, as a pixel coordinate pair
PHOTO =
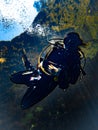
(82, 56)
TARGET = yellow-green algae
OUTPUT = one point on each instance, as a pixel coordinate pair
(77, 15)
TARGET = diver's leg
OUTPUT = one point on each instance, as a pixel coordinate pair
(26, 61)
(22, 77)
(17, 78)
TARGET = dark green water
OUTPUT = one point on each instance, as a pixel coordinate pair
(77, 109)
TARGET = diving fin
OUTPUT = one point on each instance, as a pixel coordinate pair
(26, 62)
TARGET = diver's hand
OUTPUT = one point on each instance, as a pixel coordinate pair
(51, 67)
(54, 70)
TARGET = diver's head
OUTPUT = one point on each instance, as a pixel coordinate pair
(72, 40)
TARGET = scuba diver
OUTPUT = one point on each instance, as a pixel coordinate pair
(60, 66)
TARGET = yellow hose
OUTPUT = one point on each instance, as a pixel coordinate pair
(41, 66)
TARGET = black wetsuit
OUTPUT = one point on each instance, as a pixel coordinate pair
(69, 62)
